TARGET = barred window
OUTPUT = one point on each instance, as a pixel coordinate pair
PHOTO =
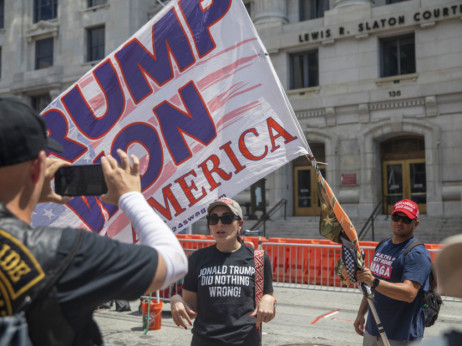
(311, 9)
(397, 56)
(91, 3)
(45, 10)
(2, 14)
(304, 71)
(95, 43)
(43, 53)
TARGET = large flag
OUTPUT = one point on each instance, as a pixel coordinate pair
(193, 94)
(335, 225)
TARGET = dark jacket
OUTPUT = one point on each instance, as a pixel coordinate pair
(27, 264)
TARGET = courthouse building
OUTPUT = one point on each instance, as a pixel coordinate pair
(377, 87)
(375, 84)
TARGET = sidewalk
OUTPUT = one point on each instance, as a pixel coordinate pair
(295, 322)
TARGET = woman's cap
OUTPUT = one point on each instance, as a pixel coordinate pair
(227, 202)
(23, 133)
(449, 267)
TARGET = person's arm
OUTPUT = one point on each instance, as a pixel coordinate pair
(124, 188)
(266, 309)
(405, 291)
(360, 320)
(183, 308)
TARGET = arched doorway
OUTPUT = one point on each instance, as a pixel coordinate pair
(306, 200)
(404, 172)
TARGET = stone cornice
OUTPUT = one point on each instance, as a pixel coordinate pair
(42, 29)
(336, 24)
(95, 8)
(377, 106)
(364, 109)
(314, 113)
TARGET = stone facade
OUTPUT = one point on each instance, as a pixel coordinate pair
(353, 110)
(120, 19)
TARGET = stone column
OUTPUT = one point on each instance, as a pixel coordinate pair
(269, 11)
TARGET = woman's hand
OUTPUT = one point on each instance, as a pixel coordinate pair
(181, 312)
(266, 309)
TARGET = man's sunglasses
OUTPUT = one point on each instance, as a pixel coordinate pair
(404, 219)
(226, 219)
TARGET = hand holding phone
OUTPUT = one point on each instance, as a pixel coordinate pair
(47, 194)
(120, 179)
(80, 180)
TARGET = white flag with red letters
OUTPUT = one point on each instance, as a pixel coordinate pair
(194, 95)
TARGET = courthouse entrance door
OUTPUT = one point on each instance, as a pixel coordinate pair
(306, 191)
(404, 177)
(306, 195)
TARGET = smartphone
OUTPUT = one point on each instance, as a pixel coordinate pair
(80, 180)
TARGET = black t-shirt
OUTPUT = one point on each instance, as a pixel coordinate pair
(102, 270)
(225, 287)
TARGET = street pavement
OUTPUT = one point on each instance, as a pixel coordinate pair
(297, 321)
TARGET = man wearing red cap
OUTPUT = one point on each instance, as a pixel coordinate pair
(396, 280)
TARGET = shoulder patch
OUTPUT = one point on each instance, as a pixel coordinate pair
(19, 271)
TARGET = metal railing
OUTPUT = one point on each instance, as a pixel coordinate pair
(297, 265)
(262, 220)
(369, 225)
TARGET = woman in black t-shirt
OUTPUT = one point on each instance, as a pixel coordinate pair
(219, 289)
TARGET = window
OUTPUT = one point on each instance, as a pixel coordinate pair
(1, 58)
(95, 43)
(45, 10)
(304, 71)
(44, 53)
(311, 9)
(2, 14)
(397, 56)
(92, 3)
(39, 102)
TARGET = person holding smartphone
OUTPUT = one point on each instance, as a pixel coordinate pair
(87, 269)
(219, 289)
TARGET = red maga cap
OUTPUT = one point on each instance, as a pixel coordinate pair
(407, 207)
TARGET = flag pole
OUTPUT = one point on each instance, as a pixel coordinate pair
(368, 293)
(350, 231)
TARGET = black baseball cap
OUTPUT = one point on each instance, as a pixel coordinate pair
(23, 133)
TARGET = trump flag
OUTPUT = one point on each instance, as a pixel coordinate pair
(193, 94)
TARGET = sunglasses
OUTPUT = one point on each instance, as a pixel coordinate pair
(404, 219)
(226, 219)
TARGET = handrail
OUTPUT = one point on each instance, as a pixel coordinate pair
(370, 221)
(266, 216)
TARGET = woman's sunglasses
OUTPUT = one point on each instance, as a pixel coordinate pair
(405, 219)
(226, 219)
